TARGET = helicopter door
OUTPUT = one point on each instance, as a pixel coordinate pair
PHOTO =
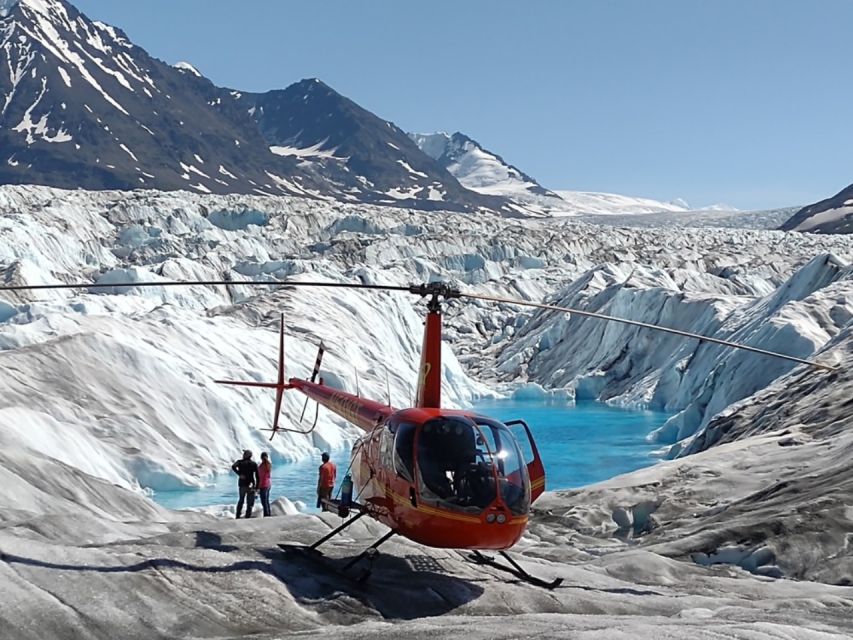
(535, 468)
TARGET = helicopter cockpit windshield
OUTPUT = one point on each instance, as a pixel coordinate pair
(463, 463)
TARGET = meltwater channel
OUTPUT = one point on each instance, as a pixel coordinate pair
(580, 444)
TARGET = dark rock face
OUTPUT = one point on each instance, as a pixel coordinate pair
(823, 217)
(365, 157)
(83, 107)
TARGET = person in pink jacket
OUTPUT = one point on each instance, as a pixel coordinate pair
(265, 482)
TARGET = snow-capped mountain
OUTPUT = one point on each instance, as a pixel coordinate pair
(486, 172)
(366, 158)
(595, 203)
(476, 167)
(833, 215)
(83, 107)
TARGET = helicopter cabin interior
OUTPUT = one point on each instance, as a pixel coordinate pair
(460, 463)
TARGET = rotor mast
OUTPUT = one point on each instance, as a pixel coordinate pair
(429, 375)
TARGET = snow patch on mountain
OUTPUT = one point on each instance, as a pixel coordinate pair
(475, 167)
(826, 217)
(186, 66)
(594, 203)
(832, 215)
(314, 151)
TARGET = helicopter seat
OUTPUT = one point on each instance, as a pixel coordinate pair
(477, 485)
(435, 478)
(463, 454)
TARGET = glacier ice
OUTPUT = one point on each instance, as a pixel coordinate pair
(175, 341)
(106, 392)
(6, 7)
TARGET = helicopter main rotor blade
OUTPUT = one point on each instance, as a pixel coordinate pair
(645, 325)
(196, 283)
(434, 289)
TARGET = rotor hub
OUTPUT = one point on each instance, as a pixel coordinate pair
(436, 291)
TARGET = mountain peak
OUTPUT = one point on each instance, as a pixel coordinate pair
(56, 25)
(51, 9)
(186, 66)
(433, 144)
(366, 157)
(312, 86)
(81, 106)
(477, 168)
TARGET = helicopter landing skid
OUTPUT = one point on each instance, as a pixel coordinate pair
(514, 568)
(370, 553)
(332, 534)
(327, 564)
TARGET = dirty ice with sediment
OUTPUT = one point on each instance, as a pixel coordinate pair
(743, 531)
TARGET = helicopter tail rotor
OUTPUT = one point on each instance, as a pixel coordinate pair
(279, 385)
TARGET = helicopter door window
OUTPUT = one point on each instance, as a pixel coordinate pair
(477, 482)
(511, 469)
(455, 472)
(386, 448)
(434, 460)
(404, 451)
(522, 439)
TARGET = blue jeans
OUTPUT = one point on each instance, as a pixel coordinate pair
(265, 501)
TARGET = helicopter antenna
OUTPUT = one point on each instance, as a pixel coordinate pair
(357, 386)
(388, 385)
(314, 373)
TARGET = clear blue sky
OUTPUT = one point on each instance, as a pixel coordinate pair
(746, 102)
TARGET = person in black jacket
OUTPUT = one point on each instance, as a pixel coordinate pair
(247, 472)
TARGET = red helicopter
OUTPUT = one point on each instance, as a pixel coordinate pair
(441, 477)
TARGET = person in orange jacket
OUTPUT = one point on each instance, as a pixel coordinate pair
(326, 481)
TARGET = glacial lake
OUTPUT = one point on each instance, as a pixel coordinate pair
(580, 444)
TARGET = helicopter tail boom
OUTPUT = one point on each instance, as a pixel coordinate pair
(362, 412)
